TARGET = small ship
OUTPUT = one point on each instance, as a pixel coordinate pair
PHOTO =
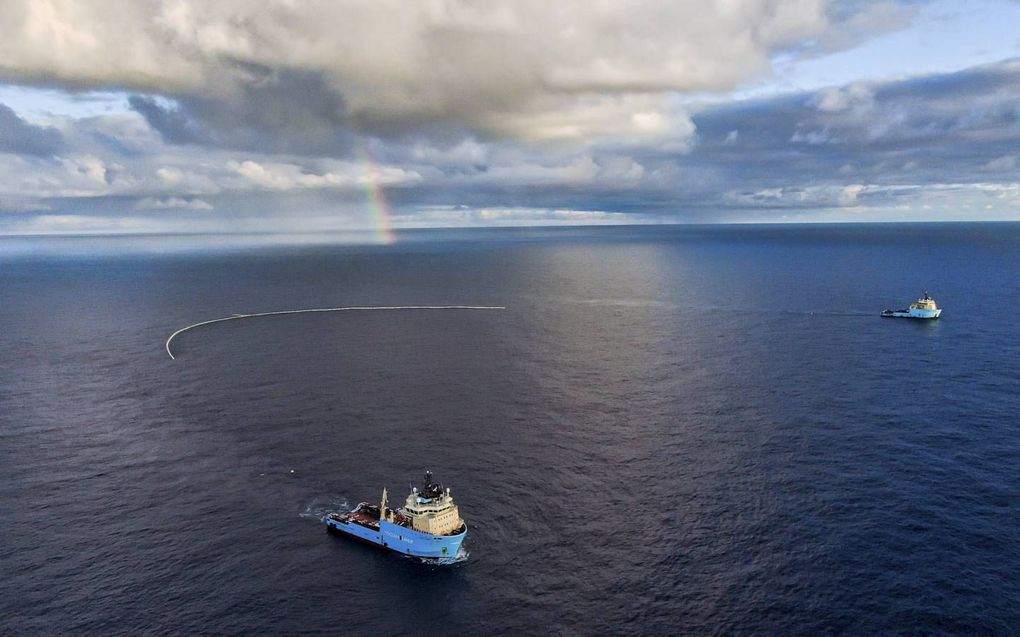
(923, 308)
(428, 525)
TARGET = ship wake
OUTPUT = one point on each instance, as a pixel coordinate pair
(461, 556)
(322, 506)
(656, 304)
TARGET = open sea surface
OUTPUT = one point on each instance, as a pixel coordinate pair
(669, 430)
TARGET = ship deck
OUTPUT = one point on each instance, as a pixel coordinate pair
(369, 516)
(364, 519)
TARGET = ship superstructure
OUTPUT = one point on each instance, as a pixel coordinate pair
(429, 524)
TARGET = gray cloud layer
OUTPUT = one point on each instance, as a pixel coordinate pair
(875, 141)
(281, 115)
(20, 137)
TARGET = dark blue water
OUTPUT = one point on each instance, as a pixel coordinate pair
(704, 430)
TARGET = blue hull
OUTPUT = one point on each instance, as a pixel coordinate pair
(920, 314)
(401, 539)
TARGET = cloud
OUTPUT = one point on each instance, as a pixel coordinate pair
(862, 19)
(933, 129)
(174, 125)
(168, 203)
(21, 204)
(509, 216)
(188, 180)
(527, 113)
(814, 137)
(857, 96)
(21, 137)
(280, 176)
(276, 110)
(848, 194)
(92, 169)
(1005, 163)
(288, 76)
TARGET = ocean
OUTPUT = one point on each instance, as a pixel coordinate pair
(668, 430)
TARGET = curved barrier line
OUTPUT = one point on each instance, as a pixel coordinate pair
(357, 308)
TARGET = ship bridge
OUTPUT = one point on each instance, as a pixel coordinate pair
(432, 510)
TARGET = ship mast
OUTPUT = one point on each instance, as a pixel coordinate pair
(382, 506)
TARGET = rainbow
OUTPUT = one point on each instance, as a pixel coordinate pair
(378, 205)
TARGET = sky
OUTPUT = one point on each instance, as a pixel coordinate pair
(316, 116)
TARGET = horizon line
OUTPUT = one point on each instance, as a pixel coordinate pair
(417, 229)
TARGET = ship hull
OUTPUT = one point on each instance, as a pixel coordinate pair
(400, 539)
(913, 314)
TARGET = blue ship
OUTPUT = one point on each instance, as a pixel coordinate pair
(428, 525)
(924, 308)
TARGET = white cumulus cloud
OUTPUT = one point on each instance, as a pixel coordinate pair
(567, 69)
(166, 203)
